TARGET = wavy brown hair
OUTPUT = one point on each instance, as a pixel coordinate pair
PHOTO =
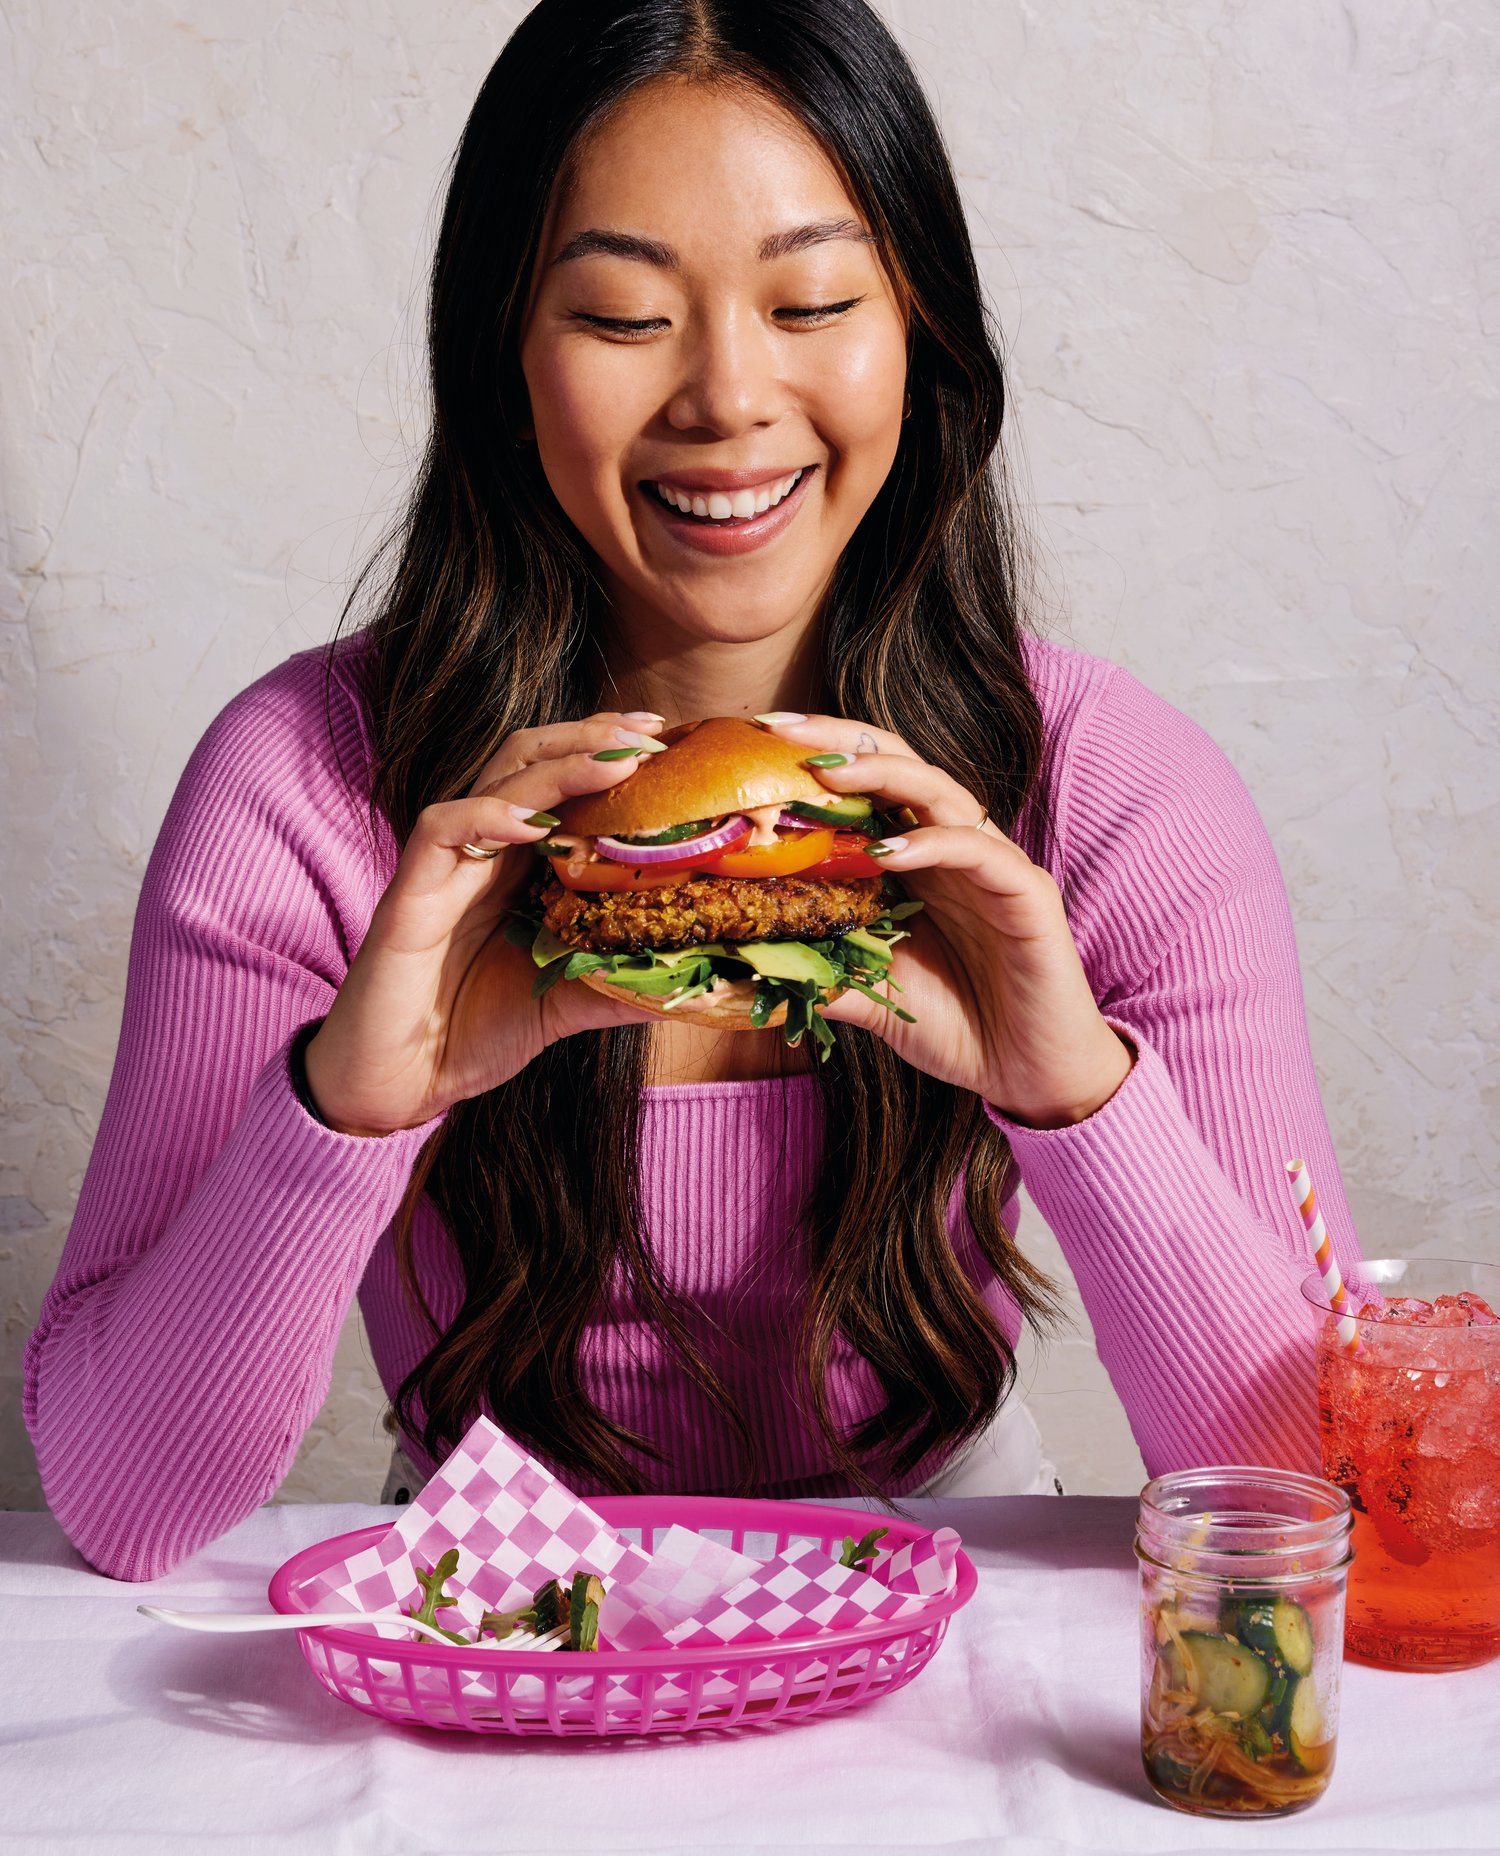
(491, 620)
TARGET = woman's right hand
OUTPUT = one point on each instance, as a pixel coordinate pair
(437, 1005)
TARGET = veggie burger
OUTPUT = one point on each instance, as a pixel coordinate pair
(720, 880)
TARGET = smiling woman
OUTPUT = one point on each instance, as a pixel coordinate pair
(715, 432)
(701, 392)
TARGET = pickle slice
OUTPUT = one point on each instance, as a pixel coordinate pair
(1222, 1674)
(852, 809)
(1275, 1627)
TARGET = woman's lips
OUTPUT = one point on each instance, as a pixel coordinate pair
(734, 536)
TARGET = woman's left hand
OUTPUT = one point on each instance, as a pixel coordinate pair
(991, 973)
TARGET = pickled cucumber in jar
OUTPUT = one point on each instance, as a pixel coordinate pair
(1232, 1719)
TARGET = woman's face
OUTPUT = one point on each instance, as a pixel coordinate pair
(709, 315)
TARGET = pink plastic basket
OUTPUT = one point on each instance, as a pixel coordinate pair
(631, 1692)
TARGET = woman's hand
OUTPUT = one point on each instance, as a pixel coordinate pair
(436, 1006)
(991, 974)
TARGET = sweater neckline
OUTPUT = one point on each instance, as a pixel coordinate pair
(746, 1086)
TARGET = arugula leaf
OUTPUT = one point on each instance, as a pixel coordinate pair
(860, 1554)
(434, 1597)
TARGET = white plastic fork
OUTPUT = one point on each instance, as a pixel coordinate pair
(235, 1621)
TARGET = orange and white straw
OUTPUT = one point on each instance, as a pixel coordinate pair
(1321, 1246)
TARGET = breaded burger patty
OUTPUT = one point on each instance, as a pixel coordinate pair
(709, 908)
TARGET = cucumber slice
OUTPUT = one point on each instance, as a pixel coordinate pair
(1223, 1674)
(1255, 1739)
(1306, 1735)
(852, 809)
(674, 834)
(1276, 1628)
(1273, 1709)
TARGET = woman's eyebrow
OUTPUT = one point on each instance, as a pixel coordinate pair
(597, 241)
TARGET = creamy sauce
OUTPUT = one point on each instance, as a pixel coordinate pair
(763, 819)
(580, 854)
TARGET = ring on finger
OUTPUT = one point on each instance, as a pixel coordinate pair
(479, 853)
(983, 820)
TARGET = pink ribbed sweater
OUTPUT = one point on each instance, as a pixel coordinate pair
(222, 1234)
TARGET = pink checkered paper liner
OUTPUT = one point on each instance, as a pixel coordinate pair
(927, 1567)
(687, 1574)
(514, 1524)
(801, 1589)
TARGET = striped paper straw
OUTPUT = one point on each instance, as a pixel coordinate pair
(1321, 1246)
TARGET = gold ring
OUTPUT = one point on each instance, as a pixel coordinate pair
(983, 821)
(481, 856)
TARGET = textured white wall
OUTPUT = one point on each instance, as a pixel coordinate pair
(1247, 258)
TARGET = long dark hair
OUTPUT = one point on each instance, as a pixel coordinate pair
(490, 621)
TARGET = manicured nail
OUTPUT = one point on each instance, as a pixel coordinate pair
(829, 760)
(903, 815)
(884, 846)
(535, 818)
(646, 742)
(779, 716)
(618, 754)
(643, 715)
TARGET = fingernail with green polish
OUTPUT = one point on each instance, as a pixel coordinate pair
(536, 818)
(828, 760)
(885, 846)
(617, 754)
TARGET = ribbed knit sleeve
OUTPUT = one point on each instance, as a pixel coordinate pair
(221, 1233)
(1170, 1203)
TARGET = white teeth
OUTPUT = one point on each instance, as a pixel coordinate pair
(719, 507)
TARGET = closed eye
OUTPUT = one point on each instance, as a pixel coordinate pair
(632, 330)
(619, 325)
(821, 310)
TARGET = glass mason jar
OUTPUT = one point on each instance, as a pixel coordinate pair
(1242, 1633)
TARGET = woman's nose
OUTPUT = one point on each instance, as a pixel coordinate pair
(730, 381)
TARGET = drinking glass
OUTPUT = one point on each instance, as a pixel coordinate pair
(1409, 1416)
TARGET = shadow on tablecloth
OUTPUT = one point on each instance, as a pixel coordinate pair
(1094, 1532)
(259, 1689)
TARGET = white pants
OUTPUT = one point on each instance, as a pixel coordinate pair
(1006, 1459)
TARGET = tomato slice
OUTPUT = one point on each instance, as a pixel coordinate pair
(848, 859)
(793, 852)
(821, 853)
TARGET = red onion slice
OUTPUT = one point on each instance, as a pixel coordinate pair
(789, 821)
(618, 851)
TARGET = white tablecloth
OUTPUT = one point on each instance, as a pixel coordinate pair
(1022, 1735)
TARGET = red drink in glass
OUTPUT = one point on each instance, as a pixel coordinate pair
(1410, 1426)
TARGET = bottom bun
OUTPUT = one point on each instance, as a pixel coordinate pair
(727, 1005)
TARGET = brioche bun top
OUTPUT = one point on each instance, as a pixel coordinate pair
(711, 768)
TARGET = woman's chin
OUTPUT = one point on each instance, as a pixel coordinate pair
(720, 620)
